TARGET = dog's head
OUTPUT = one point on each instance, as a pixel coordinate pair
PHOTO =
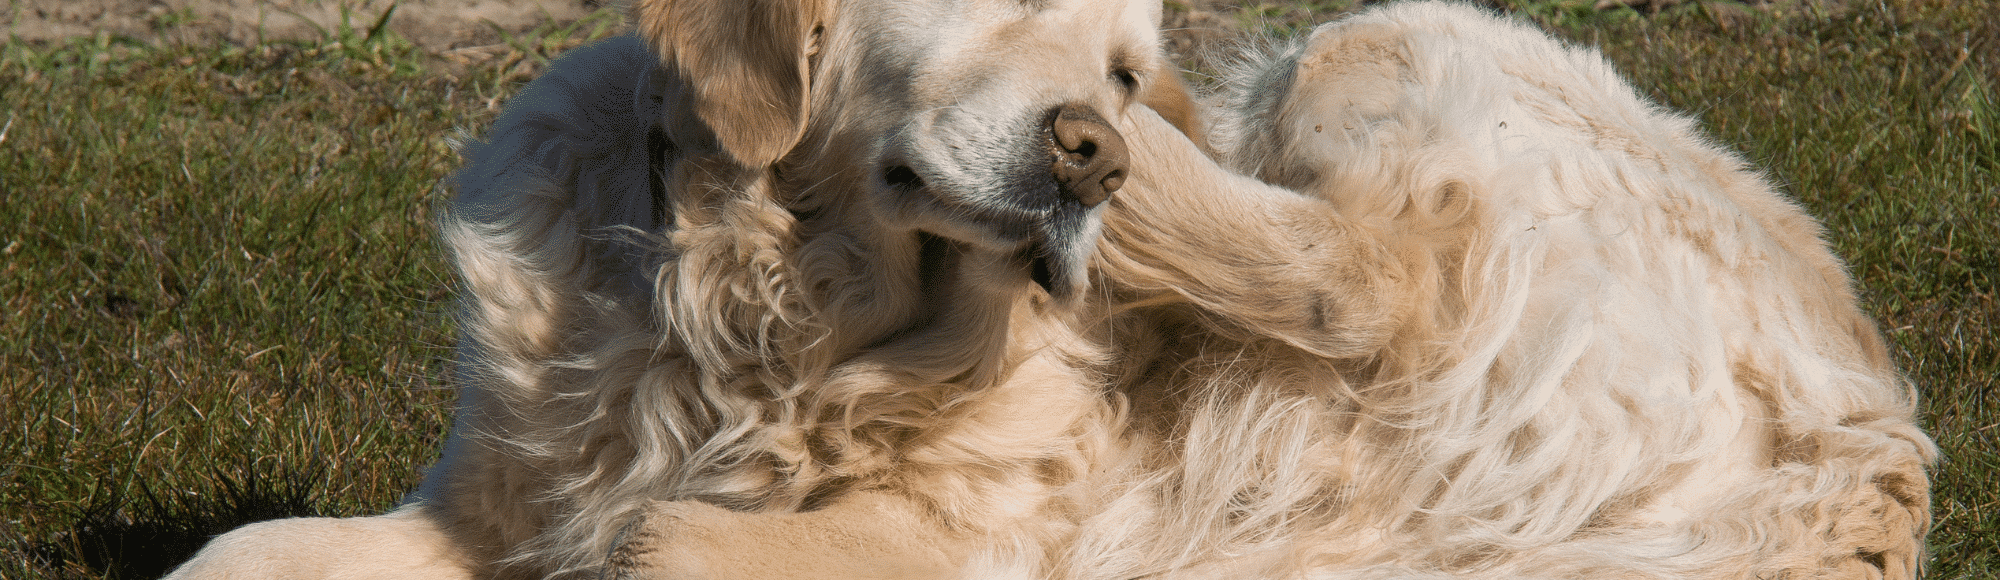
(982, 122)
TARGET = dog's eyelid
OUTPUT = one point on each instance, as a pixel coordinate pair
(1129, 77)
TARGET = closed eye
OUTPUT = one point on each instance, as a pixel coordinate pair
(1127, 78)
(1123, 71)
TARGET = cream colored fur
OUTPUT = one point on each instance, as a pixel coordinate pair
(1477, 311)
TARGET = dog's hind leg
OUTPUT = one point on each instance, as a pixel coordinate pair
(403, 544)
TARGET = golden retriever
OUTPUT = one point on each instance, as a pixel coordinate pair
(820, 293)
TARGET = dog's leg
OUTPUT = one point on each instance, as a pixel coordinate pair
(863, 536)
(1258, 256)
(403, 544)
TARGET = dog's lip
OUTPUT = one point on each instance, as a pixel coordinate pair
(994, 227)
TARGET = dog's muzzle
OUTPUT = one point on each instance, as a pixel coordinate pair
(1040, 194)
(1088, 164)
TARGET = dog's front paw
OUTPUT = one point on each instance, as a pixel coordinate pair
(867, 537)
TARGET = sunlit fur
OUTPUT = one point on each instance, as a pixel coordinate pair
(1598, 345)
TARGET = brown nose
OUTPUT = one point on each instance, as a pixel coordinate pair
(1090, 155)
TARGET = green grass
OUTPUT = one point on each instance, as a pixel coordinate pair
(221, 293)
(220, 299)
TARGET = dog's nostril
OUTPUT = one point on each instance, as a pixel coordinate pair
(1090, 155)
(1086, 150)
(902, 176)
(1114, 181)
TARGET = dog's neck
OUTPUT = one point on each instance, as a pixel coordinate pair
(881, 287)
(920, 327)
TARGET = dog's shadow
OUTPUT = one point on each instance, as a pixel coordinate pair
(145, 534)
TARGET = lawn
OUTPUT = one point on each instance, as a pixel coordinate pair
(221, 301)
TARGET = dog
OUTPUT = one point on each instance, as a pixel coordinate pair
(771, 259)
(1455, 302)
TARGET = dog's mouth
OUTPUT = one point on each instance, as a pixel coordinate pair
(1039, 269)
(1058, 256)
(1050, 243)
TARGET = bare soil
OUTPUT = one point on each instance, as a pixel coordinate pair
(461, 33)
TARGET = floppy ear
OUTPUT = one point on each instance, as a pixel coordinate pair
(1169, 97)
(747, 64)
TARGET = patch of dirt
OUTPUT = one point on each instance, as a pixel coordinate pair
(434, 25)
(438, 26)
(462, 32)
(1195, 28)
